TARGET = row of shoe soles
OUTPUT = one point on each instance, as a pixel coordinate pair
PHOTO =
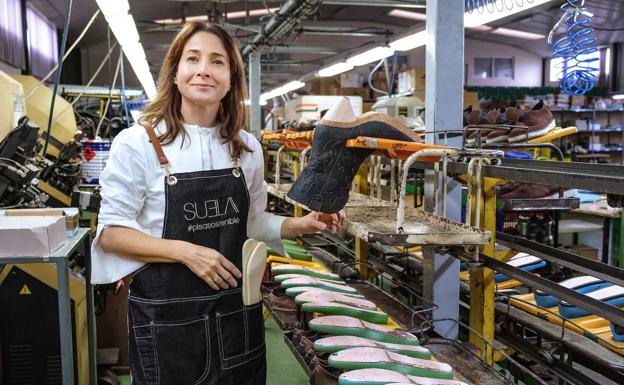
(355, 352)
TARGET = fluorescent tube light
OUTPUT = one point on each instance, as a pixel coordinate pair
(334, 69)
(618, 97)
(407, 14)
(517, 34)
(113, 8)
(410, 42)
(370, 56)
(292, 86)
(252, 13)
(228, 15)
(124, 28)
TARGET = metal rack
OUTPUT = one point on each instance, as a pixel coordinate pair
(59, 257)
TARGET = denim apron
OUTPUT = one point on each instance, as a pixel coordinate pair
(181, 331)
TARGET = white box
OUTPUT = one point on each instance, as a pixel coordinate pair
(31, 236)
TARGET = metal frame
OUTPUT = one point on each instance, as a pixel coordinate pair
(563, 258)
(596, 177)
(597, 307)
(60, 258)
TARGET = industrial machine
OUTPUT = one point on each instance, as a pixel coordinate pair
(30, 339)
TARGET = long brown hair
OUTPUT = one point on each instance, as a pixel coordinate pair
(232, 113)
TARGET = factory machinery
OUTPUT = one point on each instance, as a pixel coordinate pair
(528, 312)
(38, 170)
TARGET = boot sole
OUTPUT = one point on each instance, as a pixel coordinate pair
(374, 117)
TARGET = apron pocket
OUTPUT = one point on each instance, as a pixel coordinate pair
(181, 351)
(241, 335)
(147, 357)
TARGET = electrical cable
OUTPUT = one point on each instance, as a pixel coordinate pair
(97, 130)
(123, 91)
(58, 76)
(370, 78)
(84, 89)
(84, 31)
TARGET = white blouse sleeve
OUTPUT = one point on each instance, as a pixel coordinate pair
(261, 225)
(124, 187)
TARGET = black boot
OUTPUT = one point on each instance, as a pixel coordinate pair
(324, 184)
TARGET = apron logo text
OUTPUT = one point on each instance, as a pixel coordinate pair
(208, 209)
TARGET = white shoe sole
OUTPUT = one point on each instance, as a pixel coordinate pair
(534, 134)
(498, 139)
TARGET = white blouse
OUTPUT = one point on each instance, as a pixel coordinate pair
(133, 192)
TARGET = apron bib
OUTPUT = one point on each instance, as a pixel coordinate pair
(181, 331)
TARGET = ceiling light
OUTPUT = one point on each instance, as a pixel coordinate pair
(618, 97)
(335, 69)
(228, 15)
(122, 25)
(407, 14)
(113, 8)
(292, 86)
(124, 29)
(407, 43)
(252, 13)
(518, 34)
(476, 18)
(370, 56)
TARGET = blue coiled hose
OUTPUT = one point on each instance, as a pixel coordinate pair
(577, 74)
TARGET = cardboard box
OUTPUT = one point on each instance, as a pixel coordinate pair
(412, 80)
(471, 99)
(585, 251)
(578, 101)
(31, 235)
(71, 215)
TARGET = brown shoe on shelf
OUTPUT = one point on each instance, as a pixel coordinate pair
(467, 112)
(531, 191)
(539, 121)
(499, 117)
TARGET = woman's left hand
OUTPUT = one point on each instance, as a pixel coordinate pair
(312, 223)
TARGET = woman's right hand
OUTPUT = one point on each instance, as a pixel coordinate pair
(209, 265)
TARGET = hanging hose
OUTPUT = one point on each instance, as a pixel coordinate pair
(578, 74)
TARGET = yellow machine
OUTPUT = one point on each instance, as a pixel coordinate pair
(11, 103)
(64, 123)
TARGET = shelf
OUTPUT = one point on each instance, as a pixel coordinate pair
(586, 110)
(602, 130)
(544, 204)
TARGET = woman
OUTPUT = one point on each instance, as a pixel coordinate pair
(181, 193)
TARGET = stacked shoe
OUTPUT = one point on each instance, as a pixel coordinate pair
(524, 125)
(325, 182)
